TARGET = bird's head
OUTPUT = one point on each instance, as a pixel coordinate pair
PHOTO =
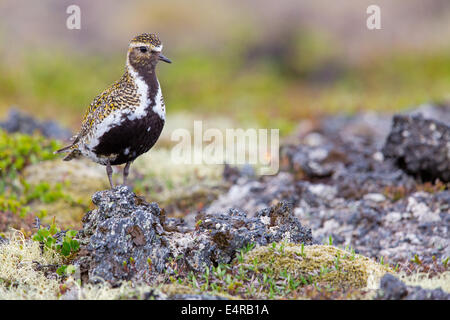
(144, 52)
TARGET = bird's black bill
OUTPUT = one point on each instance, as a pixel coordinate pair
(163, 58)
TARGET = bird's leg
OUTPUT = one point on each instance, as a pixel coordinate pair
(126, 170)
(109, 173)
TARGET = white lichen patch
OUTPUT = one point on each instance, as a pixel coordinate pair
(19, 278)
(104, 291)
(425, 281)
(421, 211)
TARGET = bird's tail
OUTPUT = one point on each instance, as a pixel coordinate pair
(65, 149)
(74, 152)
(73, 155)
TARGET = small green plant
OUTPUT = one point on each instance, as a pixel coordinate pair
(417, 260)
(336, 261)
(281, 248)
(66, 270)
(353, 256)
(242, 252)
(46, 236)
(302, 250)
(445, 262)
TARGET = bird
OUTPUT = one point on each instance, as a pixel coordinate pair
(126, 119)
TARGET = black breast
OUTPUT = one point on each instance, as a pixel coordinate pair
(131, 138)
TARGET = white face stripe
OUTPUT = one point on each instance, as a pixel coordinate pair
(141, 44)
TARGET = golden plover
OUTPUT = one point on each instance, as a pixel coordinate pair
(126, 119)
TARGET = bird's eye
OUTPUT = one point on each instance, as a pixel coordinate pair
(143, 49)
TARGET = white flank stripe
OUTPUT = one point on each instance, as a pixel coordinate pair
(159, 106)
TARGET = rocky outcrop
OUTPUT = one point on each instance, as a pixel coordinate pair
(420, 146)
(126, 238)
(342, 185)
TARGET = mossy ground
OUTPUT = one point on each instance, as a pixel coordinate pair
(277, 271)
(289, 271)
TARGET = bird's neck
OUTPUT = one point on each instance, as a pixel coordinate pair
(147, 86)
(145, 73)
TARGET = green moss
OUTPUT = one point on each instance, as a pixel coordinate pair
(322, 264)
(19, 150)
(283, 270)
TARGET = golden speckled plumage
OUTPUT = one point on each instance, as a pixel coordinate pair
(121, 94)
(147, 38)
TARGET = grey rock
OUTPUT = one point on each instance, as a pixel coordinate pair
(420, 146)
(315, 162)
(3, 240)
(122, 235)
(439, 113)
(233, 174)
(18, 121)
(392, 288)
(233, 230)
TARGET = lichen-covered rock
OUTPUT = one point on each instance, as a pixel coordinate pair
(126, 238)
(392, 288)
(233, 230)
(346, 151)
(315, 161)
(420, 146)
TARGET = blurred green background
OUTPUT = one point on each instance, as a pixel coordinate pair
(259, 62)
